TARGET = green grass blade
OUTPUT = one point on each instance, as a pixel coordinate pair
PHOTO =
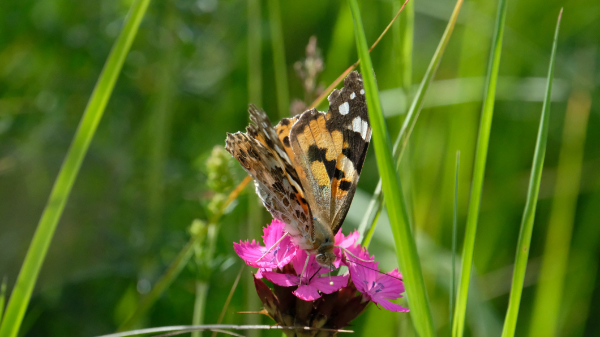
(406, 249)
(454, 235)
(376, 204)
(34, 259)
(479, 170)
(281, 78)
(522, 255)
(562, 255)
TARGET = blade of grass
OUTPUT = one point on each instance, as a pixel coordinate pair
(454, 230)
(479, 170)
(510, 322)
(36, 254)
(406, 249)
(376, 204)
(559, 257)
(281, 78)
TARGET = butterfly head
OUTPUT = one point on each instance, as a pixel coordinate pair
(324, 241)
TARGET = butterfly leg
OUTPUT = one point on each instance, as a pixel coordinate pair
(272, 247)
(304, 269)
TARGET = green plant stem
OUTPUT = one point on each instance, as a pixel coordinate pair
(479, 171)
(510, 322)
(281, 78)
(36, 254)
(406, 249)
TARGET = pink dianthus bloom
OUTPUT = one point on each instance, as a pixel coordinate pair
(283, 264)
(376, 287)
(311, 282)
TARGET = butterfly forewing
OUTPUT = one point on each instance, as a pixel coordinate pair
(329, 151)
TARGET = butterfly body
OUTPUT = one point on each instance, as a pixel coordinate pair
(306, 168)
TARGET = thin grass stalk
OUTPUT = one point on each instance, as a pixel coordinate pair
(376, 203)
(522, 255)
(281, 76)
(57, 200)
(406, 249)
(403, 43)
(559, 260)
(479, 171)
(454, 236)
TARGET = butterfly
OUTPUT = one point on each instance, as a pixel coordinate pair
(306, 168)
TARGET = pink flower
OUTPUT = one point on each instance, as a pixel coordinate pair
(277, 257)
(374, 286)
(312, 281)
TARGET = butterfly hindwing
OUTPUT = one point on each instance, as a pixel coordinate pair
(260, 154)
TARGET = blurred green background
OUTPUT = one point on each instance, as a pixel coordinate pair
(186, 83)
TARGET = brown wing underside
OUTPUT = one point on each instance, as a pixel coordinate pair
(260, 154)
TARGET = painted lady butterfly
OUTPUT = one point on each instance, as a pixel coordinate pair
(306, 168)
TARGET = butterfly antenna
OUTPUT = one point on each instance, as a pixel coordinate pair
(330, 269)
(362, 265)
(272, 247)
(354, 256)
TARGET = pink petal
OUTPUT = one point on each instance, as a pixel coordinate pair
(251, 252)
(273, 232)
(389, 285)
(307, 293)
(322, 283)
(260, 273)
(364, 274)
(284, 280)
(346, 241)
(392, 306)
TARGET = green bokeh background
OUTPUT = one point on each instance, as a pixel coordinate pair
(185, 84)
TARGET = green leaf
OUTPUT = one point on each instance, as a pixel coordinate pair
(36, 254)
(406, 249)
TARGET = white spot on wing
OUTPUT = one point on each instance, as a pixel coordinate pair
(363, 131)
(362, 91)
(352, 95)
(357, 125)
(344, 108)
